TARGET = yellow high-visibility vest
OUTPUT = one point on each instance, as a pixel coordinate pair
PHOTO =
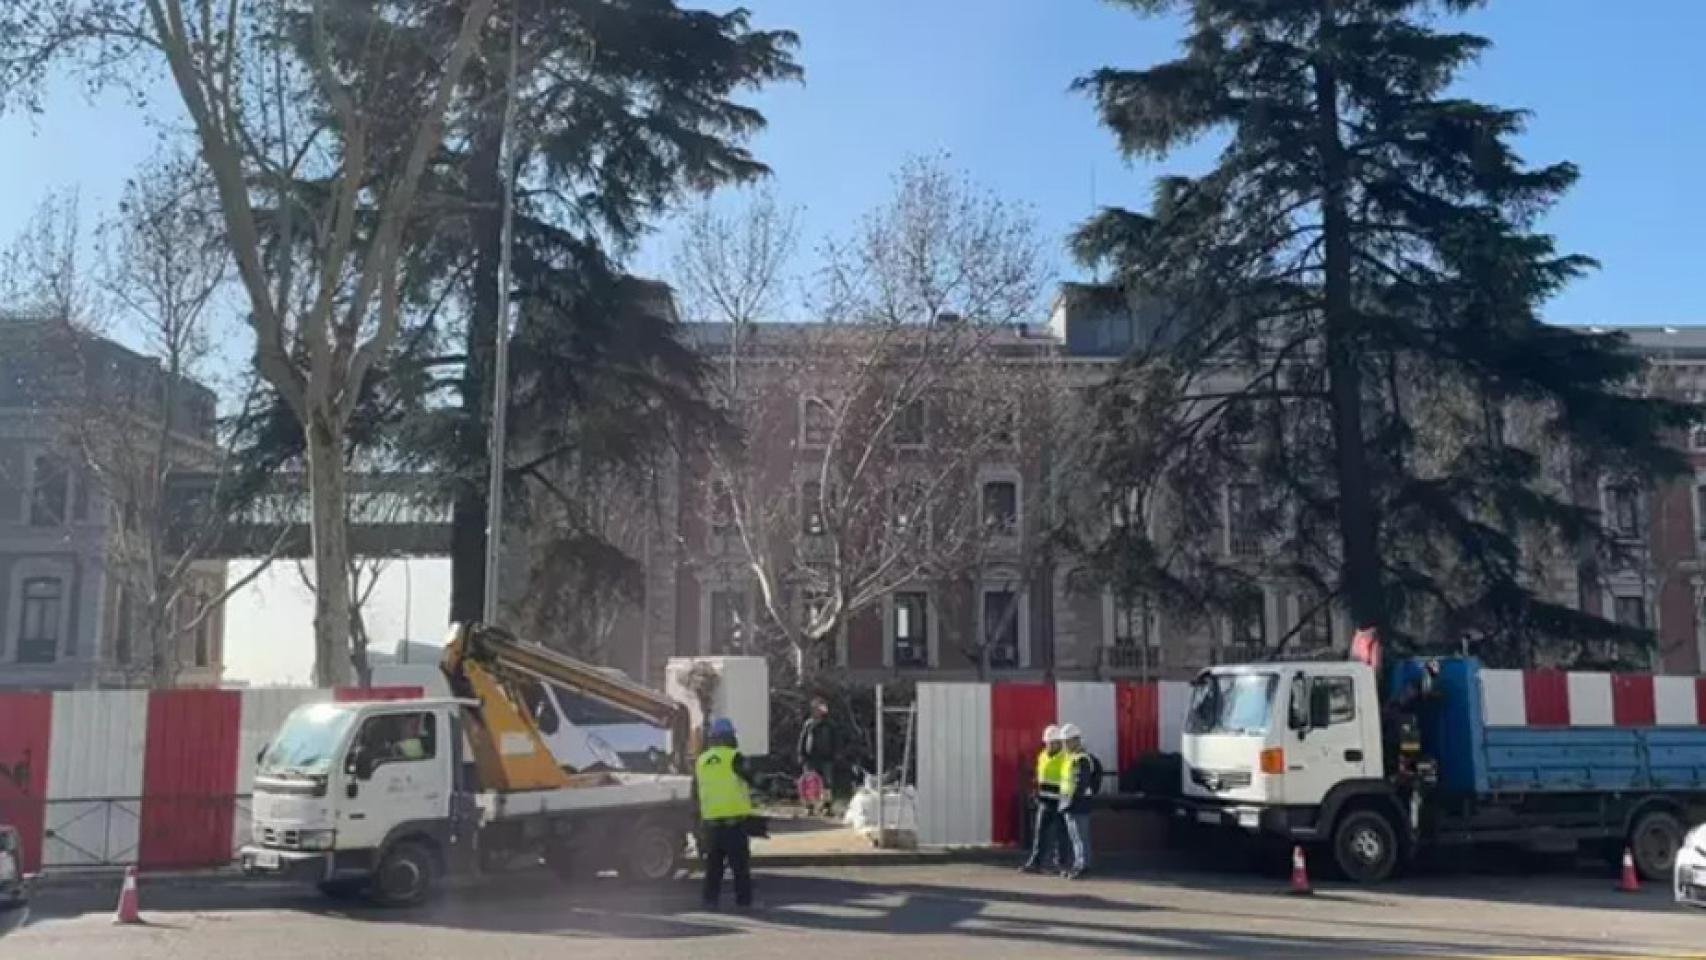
(1051, 772)
(722, 793)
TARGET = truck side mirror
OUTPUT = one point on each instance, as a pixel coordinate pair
(1298, 714)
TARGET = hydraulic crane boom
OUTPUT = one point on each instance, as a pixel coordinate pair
(491, 666)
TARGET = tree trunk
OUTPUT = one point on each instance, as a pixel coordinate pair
(1360, 569)
(329, 529)
(469, 507)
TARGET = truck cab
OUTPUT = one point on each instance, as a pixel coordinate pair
(349, 793)
(1281, 748)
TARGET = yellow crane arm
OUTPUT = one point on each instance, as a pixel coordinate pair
(491, 666)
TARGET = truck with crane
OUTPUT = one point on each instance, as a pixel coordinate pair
(1308, 752)
(387, 798)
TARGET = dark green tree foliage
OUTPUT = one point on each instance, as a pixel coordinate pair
(1352, 359)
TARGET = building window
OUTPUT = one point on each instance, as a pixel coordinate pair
(911, 629)
(50, 492)
(817, 422)
(1001, 627)
(722, 509)
(1314, 621)
(1006, 427)
(1697, 437)
(1630, 612)
(1247, 621)
(909, 508)
(909, 425)
(811, 509)
(39, 620)
(1700, 511)
(1001, 507)
(1243, 505)
(730, 629)
(1623, 510)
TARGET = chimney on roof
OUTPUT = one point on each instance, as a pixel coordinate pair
(948, 317)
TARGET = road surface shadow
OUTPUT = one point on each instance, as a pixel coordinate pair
(974, 902)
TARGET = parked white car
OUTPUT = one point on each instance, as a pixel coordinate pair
(1691, 868)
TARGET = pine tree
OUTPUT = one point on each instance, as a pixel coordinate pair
(1350, 359)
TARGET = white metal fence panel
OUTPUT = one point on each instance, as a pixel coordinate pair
(94, 778)
(1093, 707)
(1171, 702)
(1503, 700)
(954, 768)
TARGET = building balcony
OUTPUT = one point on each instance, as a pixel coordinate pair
(1129, 660)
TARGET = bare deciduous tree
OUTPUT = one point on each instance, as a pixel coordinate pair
(865, 435)
(316, 150)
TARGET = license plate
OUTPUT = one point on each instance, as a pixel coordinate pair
(266, 860)
(1208, 816)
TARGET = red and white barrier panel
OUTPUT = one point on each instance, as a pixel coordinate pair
(978, 742)
(1554, 698)
(157, 779)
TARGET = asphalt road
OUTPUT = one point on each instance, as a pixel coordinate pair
(949, 911)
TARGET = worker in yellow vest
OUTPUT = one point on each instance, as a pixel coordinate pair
(723, 786)
(1051, 771)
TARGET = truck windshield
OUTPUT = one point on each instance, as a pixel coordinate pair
(306, 743)
(1231, 703)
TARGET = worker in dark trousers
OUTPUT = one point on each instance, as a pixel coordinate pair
(817, 752)
(723, 786)
(1077, 786)
(1051, 767)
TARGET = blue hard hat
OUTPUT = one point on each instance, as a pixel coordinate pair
(722, 727)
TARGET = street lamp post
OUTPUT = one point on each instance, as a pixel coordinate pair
(500, 373)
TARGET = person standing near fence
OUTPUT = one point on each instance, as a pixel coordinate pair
(1051, 766)
(817, 750)
(1080, 781)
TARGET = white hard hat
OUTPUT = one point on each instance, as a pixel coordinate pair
(1051, 734)
(1070, 731)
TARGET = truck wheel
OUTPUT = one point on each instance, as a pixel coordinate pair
(405, 877)
(1654, 842)
(1365, 846)
(653, 854)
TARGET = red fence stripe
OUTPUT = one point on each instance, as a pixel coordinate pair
(1700, 700)
(189, 778)
(1546, 698)
(26, 725)
(1018, 712)
(1139, 721)
(1632, 703)
(358, 694)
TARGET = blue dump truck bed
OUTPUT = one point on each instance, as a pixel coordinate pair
(1476, 758)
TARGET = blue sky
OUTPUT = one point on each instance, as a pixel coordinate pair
(1615, 87)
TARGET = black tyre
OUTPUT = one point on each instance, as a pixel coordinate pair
(406, 876)
(343, 889)
(1654, 841)
(1365, 847)
(653, 853)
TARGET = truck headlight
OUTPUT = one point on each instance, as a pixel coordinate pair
(317, 839)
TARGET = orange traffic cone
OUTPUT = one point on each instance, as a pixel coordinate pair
(1629, 883)
(1299, 874)
(127, 906)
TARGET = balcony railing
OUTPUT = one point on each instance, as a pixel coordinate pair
(1127, 659)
